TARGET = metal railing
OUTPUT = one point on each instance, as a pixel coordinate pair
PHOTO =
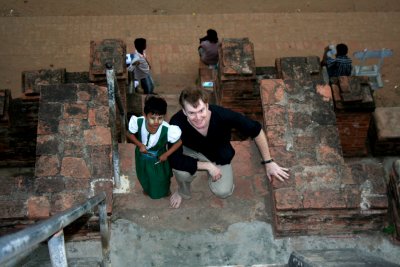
(115, 98)
(14, 247)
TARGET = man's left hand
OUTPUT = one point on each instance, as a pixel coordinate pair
(274, 170)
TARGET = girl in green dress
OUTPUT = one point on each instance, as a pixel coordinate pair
(151, 134)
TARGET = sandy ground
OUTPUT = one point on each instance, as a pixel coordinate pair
(173, 7)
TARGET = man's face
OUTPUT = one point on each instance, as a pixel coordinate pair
(198, 116)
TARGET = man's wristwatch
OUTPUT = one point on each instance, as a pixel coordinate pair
(267, 161)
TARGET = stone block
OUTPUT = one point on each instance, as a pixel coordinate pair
(65, 200)
(336, 257)
(33, 80)
(107, 51)
(323, 194)
(353, 130)
(18, 130)
(107, 187)
(12, 208)
(236, 59)
(292, 68)
(47, 165)
(97, 136)
(77, 77)
(74, 168)
(385, 131)
(101, 161)
(38, 207)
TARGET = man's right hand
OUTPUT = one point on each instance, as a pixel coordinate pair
(211, 168)
(215, 172)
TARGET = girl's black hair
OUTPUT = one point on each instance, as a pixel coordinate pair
(156, 105)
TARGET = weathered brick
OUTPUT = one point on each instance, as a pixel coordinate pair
(107, 187)
(274, 115)
(101, 161)
(14, 208)
(276, 135)
(65, 200)
(324, 199)
(70, 128)
(47, 144)
(74, 168)
(98, 136)
(49, 185)
(325, 92)
(287, 199)
(75, 111)
(74, 147)
(47, 166)
(328, 155)
(83, 96)
(38, 207)
(99, 116)
(272, 91)
(58, 93)
(72, 184)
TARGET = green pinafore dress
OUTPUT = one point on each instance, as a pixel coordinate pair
(154, 178)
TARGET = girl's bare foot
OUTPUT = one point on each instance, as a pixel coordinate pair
(175, 200)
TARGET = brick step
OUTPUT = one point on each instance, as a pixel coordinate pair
(127, 165)
(328, 222)
(394, 197)
(384, 132)
(336, 257)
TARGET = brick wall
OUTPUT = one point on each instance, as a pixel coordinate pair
(73, 148)
(18, 123)
(324, 195)
(354, 106)
(236, 79)
(394, 197)
(384, 134)
(353, 131)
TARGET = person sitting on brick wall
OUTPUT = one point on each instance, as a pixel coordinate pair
(208, 49)
(206, 135)
(341, 64)
(140, 66)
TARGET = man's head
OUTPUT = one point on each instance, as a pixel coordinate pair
(194, 104)
(192, 96)
(341, 50)
(140, 44)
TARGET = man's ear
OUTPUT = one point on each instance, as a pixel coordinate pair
(184, 111)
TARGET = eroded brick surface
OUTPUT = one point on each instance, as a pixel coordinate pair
(74, 145)
(325, 194)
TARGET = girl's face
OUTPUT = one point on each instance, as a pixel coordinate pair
(153, 121)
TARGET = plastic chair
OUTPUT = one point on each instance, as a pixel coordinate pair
(372, 71)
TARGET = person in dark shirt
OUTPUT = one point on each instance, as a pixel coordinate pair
(341, 65)
(206, 134)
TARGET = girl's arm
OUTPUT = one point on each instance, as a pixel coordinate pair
(133, 139)
(171, 150)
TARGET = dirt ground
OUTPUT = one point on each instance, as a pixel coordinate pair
(390, 96)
